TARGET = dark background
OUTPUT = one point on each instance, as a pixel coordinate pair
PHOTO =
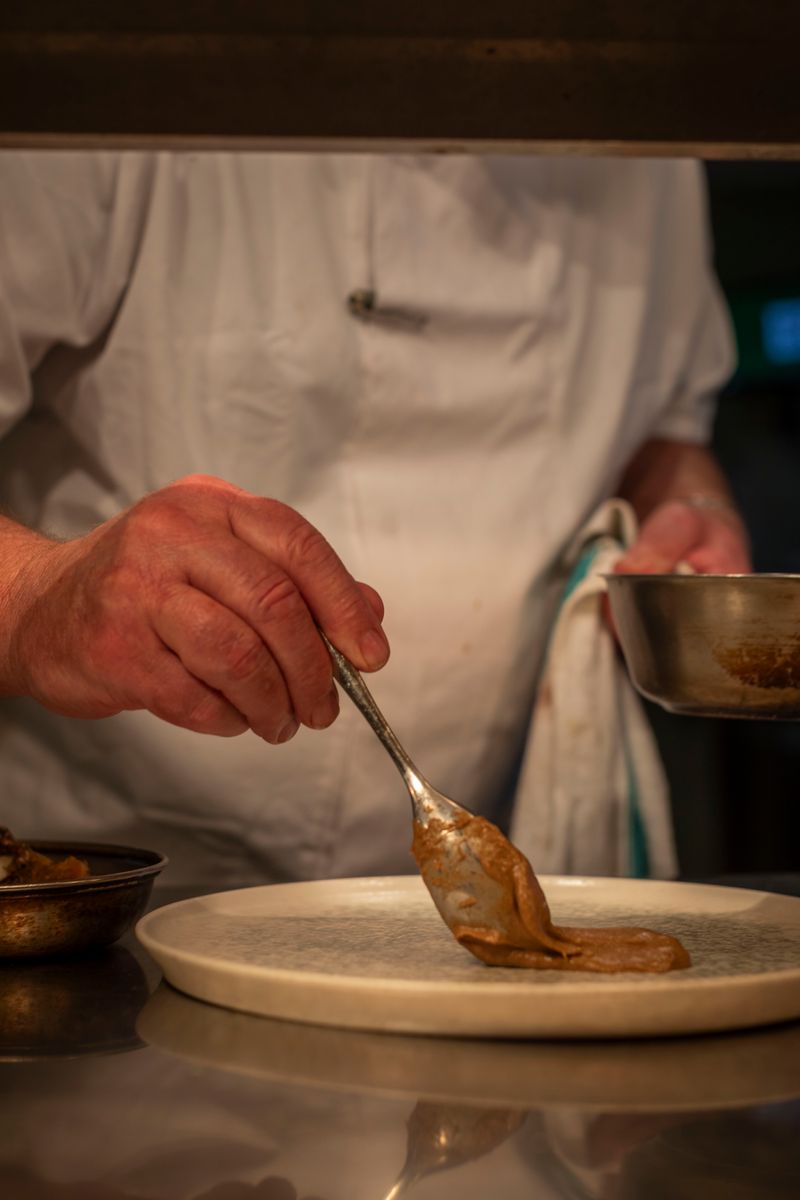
(736, 784)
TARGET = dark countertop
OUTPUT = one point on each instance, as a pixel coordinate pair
(115, 1087)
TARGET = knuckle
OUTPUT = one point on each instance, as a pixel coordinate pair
(199, 479)
(274, 512)
(201, 486)
(276, 597)
(172, 508)
(156, 518)
(242, 656)
(304, 543)
(202, 625)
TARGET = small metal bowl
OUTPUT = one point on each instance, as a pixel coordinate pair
(712, 645)
(54, 919)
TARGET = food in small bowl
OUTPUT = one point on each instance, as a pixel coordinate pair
(61, 898)
(20, 863)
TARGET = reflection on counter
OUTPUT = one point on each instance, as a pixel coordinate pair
(67, 1008)
(219, 1105)
(665, 1074)
(744, 1155)
(442, 1136)
(605, 1121)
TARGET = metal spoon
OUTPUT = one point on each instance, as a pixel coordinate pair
(465, 894)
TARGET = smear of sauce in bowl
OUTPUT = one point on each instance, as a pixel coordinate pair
(767, 666)
(529, 937)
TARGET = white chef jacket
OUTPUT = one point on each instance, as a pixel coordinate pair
(162, 314)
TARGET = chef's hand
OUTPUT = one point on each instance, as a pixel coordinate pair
(199, 603)
(710, 538)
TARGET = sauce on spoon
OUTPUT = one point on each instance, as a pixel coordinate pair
(523, 934)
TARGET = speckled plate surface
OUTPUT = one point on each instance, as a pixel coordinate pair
(374, 954)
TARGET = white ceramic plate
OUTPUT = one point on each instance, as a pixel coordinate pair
(374, 954)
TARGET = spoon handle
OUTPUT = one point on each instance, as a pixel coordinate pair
(351, 682)
(404, 1182)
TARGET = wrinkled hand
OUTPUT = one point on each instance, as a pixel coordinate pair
(712, 541)
(199, 603)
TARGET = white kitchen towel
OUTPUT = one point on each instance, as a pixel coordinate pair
(592, 797)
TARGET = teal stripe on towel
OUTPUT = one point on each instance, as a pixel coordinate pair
(638, 858)
(580, 570)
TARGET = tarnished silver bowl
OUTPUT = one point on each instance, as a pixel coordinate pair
(71, 916)
(712, 645)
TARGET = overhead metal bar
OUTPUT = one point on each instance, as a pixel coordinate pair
(717, 78)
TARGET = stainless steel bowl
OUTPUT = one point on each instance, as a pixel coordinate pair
(712, 645)
(45, 919)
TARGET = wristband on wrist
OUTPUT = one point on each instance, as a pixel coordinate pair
(718, 504)
(704, 500)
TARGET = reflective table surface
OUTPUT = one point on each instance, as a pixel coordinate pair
(115, 1087)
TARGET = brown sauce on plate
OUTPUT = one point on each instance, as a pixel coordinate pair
(529, 937)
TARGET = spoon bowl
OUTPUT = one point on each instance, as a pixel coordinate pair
(477, 879)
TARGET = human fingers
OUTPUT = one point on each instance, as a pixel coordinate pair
(666, 538)
(336, 602)
(227, 655)
(156, 680)
(351, 613)
(268, 600)
(373, 600)
(724, 548)
(711, 540)
(175, 695)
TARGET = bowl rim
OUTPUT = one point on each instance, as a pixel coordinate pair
(695, 578)
(153, 863)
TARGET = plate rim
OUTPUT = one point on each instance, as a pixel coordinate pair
(655, 983)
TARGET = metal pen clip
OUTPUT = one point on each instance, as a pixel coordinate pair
(363, 303)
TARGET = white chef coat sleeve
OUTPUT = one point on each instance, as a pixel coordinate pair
(62, 264)
(696, 314)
